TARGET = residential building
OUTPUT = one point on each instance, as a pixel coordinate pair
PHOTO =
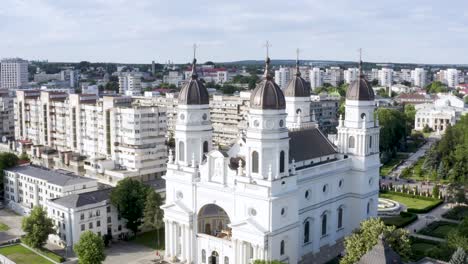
(316, 78)
(45, 77)
(419, 77)
(277, 193)
(130, 83)
(414, 98)
(80, 212)
(446, 109)
(351, 75)
(7, 124)
(452, 77)
(282, 76)
(386, 77)
(324, 111)
(13, 73)
(405, 75)
(173, 77)
(333, 76)
(109, 138)
(27, 186)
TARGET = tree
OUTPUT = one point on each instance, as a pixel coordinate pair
(410, 114)
(129, 197)
(37, 227)
(153, 214)
(436, 191)
(427, 129)
(459, 257)
(90, 248)
(436, 87)
(458, 238)
(393, 128)
(7, 160)
(361, 241)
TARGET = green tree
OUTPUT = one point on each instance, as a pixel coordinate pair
(37, 227)
(129, 197)
(459, 257)
(458, 238)
(7, 160)
(436, 87)
(90, 248)
(361, 241)
(436, 191)
(393, 128)
(153, 214)
(410, 114)
(24, 156)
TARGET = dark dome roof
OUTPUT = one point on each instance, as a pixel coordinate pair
(194, 92)
(360, 90)
(297, 87)
(267, 94)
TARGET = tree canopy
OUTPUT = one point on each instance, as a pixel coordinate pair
(129, 196)
(153, 214)
(363, 240)
(393, 129)
(436, 87)
(37, 227)
(458, 238)
(90, 248)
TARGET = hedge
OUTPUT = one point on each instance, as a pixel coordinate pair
(457, 213)
(402, 220)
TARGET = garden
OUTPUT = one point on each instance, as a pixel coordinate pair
(414, 203)
(457, 213)
(438, 229)
(22, 255)
(421, 248)
(401, 220)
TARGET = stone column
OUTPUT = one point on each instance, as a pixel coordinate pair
(242, 252)
(166, 237)
(183, 244)
(234, 252)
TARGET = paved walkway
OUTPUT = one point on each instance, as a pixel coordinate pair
(434, 215)
(131, 253)
(413, 158)
(13, 221)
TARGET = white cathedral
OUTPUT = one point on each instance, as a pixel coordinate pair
(281, 192)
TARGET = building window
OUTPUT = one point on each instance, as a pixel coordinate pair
(282, 165)
(82, 227)
(120, 228)
(90, 225)
(203, 256)
(98, 223)
(109, 219)
(370, 141)
(282, 247)
(351, 142)
(340, 217)
(205, 147)
(306, 231)
(82, 216)
(324, 224)
(181, 151)
(108, 209)
(255, 162)
(226, 260)
(98, 213)
(368, 207)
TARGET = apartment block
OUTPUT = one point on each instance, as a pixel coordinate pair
(13, 73)
(7, 124)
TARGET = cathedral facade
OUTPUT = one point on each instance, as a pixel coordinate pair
(281, 192)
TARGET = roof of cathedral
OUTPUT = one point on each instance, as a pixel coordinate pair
(267, 94)
(310, 143)
(360, 89)
(194, 92)
(381, 253)
(297, 87)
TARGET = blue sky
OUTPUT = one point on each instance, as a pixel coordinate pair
(420, 31)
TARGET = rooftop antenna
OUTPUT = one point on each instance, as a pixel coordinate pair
(194, 62)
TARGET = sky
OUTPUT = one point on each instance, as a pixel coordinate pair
(139, 31)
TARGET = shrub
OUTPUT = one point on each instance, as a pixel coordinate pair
(457, 213)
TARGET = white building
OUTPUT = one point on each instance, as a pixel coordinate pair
(316, 78)
(419, 77)
(27, 186)
(90, 211)
(333, 76)
(277, 193)
(7, 123)
(130, 83)
(13, 73)
(282, 76)
(386, 77)
(447, 109)
(351, 75)
(405, 75)
(452, 77)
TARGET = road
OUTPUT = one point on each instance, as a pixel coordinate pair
(413, 158)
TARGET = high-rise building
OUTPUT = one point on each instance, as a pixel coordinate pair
(451, 77)
(316, 78)
(13, 73)
(130, 83)
(418, 77)
(7, 124)
(282, 76)
(405, 75)
(351, 74)
(386, 77)
(333, 76)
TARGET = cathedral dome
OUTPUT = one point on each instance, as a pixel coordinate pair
(267, 94)
(360, 89)
(194, 92)
(297, 87)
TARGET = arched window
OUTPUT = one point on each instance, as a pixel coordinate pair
(181, 151)
(203, 256)
(282, 161)
(370, 141)
(306, 231)
(205, 147)
(282, 248)
(368, 207)
(226, 260)
(324, 224)
(255, 162)
(351, 142)
(340, 217)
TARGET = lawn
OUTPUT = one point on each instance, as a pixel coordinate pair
(426, 248)
(408, 201)
(51, 255)
(438, 229)
(389, 166)
(4, 227)
(149, 239)
(457, 213)
(401, 220)
(22, 255)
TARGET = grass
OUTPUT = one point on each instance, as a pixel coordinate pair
(389, 166)
(401, 220)
(438, 229)
(149, 239)
(457, 213)
(426, 248)
(22, 255)
(51, 255)
(408, 201)
(4, 227)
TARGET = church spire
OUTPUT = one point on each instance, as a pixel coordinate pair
(194, 62)
(298, 72)
(361, 74)
(267, 62)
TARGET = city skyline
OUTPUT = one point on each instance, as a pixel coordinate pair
(121, 31)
